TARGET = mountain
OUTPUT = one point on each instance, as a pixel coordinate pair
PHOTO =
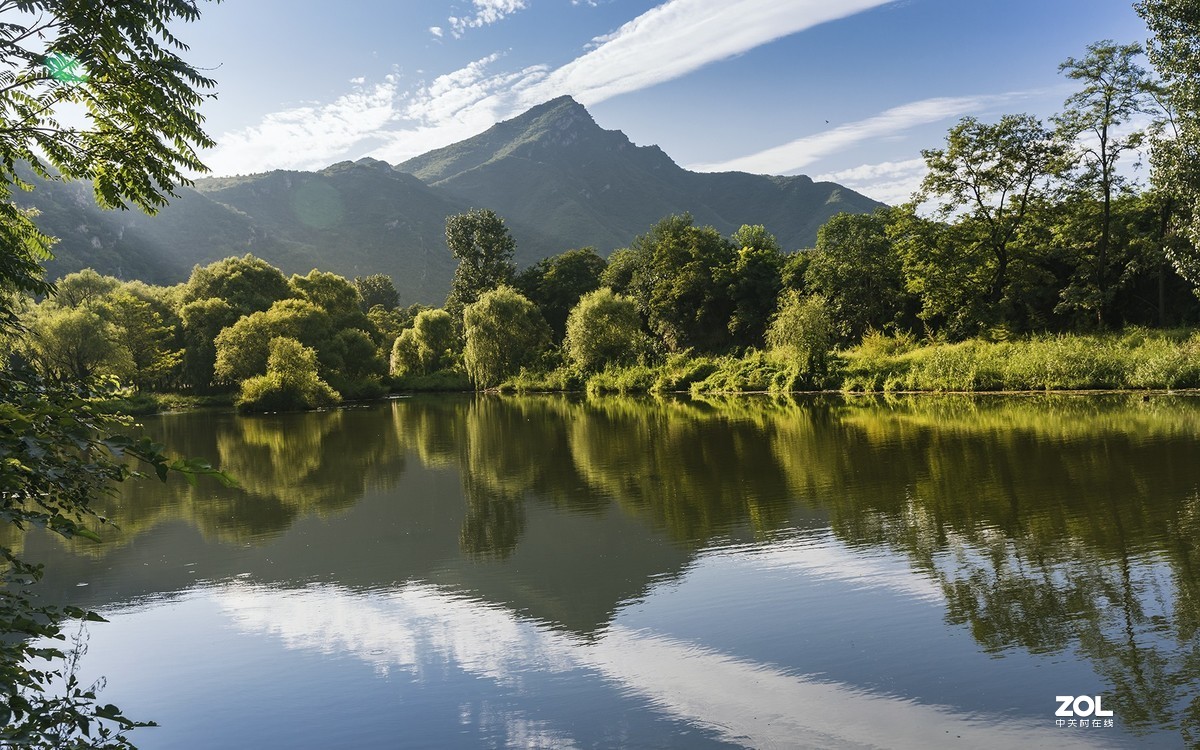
(559, 179)
(555, 168)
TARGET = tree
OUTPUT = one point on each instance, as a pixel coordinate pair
(427, 346)
(377, 289)
(1174, 51)
(484, 248)
(243, 348)
(755, 278)
(143, 333)
(680, 283)
(203, 320)
(1115, 89)
(136, 103)
(857, 270)
(77, 344)
(604, 328)
(82, 287)
(291, 382)
(504, 332)
(803, 331)
(332, 293)
(555, 284)
(985, 181)
(247, 284)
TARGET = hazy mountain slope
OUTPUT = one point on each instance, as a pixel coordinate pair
(559, 180)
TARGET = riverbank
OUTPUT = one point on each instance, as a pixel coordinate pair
(1132, 360)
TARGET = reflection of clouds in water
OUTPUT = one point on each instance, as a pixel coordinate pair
(423, 629)
(825, 557)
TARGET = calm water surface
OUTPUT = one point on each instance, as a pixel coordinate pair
(554, 572)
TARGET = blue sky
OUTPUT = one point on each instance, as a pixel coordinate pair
(849, 90)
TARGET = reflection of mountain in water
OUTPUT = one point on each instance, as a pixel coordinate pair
(1047, 523)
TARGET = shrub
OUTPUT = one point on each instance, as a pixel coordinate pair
(291, 382)
(603, 329)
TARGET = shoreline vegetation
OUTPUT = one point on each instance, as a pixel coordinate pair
(1133, 361)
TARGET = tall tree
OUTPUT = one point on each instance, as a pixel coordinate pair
(755, 278)
(504, 332)
(1174, 51)
(377, 289)
(1115, 90)
(985, 181)
(680, 283)
(556, 283)
(859, 273)
(484, 248)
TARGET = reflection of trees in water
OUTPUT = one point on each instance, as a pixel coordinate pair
(1048, 523)
(288, 466)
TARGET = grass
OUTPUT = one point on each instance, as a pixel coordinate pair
(140, 404)
(1130, 360)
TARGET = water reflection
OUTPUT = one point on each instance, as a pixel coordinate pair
(1056, 528)
(421, 629)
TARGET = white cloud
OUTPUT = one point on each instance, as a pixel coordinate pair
(307, 137)
(486, 12)
(801, 152)
(436, 31)
(681, 36)
(892, 182)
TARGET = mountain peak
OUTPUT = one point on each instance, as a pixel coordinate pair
(554, 124)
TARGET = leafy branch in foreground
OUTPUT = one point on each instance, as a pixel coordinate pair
(58, 452)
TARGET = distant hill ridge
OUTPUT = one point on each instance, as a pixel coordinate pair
(559, 180)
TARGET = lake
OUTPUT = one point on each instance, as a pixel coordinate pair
(486, 571)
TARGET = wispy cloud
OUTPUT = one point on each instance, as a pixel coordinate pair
(486, 12)
(387, 122)
(681, 36)
(892, 182)
(308, 137)
(804, 151)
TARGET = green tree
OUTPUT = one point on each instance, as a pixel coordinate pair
(755, 278)
(857, 270)
(985, 181)
(291, 382)
(83, 287)
(135, 137)
(353, 366)
(427, 346)
(1115, 90)
(504, 332)
(604, 328)
(803, 331)
(148, 339)
(484, 249)
(1174, 51)
(680, 283)
(203, 320)
(555, 284)
(618, 274)
(332, 293)
(247, 284)
(76, 344)
(242, 349)
(377, 289)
